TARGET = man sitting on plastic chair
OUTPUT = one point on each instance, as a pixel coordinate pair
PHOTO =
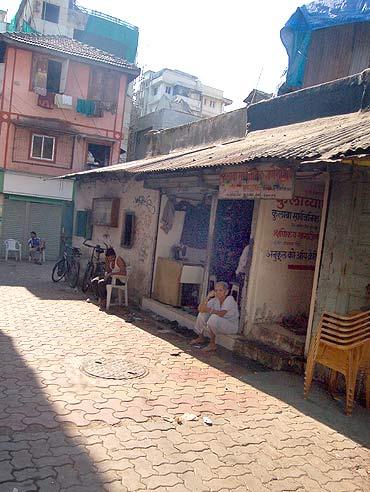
(35, 248)
(114, 265)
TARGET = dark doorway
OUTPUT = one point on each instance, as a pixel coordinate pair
(232, 230)
(54, 75)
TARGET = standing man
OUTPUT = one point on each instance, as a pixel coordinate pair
(242, 265)
(34, 244)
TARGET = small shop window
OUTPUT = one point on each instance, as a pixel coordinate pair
(83, 225)
(50, 12)
(43, 147)
(128, 230)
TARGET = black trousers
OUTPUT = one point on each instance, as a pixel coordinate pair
(99, 286)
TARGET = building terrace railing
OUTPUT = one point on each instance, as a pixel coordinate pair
(107, 17)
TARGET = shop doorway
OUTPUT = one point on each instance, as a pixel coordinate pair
(232, 234)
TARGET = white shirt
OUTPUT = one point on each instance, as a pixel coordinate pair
(229, 305)
(242, 261)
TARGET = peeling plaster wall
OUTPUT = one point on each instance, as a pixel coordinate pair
(145, 204)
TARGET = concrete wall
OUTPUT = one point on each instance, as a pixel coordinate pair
(227, 126)
(133, 197)
(342, 96)
(163, 119)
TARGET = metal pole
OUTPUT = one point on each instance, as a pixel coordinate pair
(211, 232)
(318, 261)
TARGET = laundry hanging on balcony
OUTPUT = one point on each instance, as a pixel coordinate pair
(89, 107)
(62, 101)
(47, 101)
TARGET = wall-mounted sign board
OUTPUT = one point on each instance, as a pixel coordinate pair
(262, 182)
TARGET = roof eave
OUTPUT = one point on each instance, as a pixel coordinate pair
(132, 72)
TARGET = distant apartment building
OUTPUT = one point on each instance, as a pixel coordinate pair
(198, 99)
(171, 98)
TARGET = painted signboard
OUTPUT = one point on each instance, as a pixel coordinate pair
(286, 252)
(264, 182)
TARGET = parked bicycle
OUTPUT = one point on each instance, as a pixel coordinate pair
(68, 267)
(95, 266)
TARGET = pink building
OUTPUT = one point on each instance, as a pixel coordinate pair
(61, 109)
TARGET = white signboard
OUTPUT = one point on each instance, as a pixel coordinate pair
(38, 186)
(268, 183)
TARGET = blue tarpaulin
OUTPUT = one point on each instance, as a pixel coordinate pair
(296, 34)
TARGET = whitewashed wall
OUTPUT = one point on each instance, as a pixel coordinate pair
(284, 255)
(133, 197)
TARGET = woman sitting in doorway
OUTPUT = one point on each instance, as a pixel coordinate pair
(218, 313)
(114, 265)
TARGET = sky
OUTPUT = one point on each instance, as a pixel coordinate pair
(234, 46)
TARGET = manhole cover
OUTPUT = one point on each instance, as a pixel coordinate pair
(103, 367)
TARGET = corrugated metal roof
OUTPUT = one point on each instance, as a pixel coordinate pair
(71, 47)
(324, 139)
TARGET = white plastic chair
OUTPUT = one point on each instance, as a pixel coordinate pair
(12, 245)
(122, 288)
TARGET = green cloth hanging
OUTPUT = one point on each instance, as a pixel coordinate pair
(86, 107)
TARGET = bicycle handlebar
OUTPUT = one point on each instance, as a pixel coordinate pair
(88, 245)
(95, 246)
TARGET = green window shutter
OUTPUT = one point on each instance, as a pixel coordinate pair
(80, 226)
(83, 226)
(89, 225)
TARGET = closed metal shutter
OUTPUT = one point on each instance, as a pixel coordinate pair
(46, 220)
(13, 227)
(21, 217)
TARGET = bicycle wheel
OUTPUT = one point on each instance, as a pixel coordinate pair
(88, 276)
(73, 273)
(59, 270)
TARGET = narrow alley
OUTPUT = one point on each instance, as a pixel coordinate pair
(63, 429)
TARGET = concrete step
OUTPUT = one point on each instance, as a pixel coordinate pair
(286, 340)
(278, 360)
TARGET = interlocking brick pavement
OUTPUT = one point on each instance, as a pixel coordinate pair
(61, 430)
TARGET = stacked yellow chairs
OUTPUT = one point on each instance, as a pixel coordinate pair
(342, 343)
